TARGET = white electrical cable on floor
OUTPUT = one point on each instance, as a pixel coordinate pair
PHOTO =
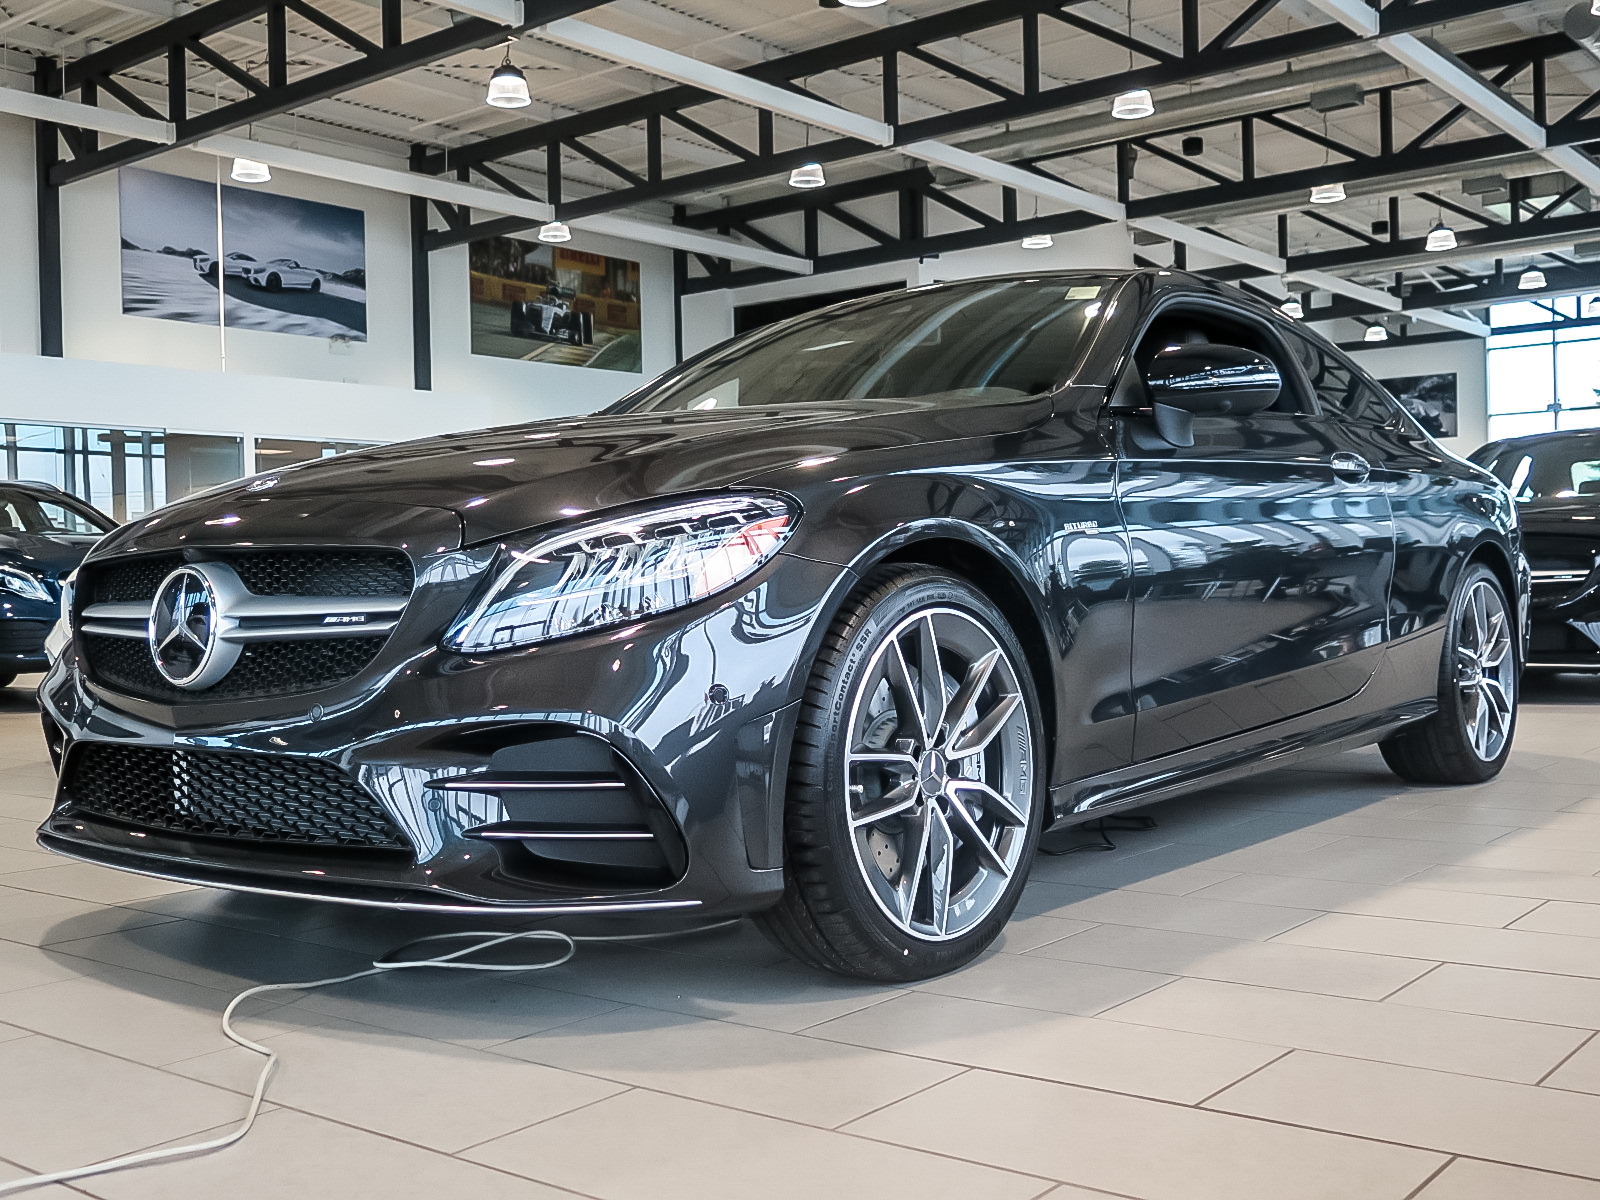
(380, 966)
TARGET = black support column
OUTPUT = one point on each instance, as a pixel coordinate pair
(46, 82)
(421, 318)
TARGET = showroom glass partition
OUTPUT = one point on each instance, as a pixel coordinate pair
(124, 472)
(1544, 366)
(282, 452)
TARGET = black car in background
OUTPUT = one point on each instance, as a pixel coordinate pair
(829, 624)
(1555, 480)
(44, 534)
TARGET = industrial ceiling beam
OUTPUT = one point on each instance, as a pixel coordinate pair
(58, 111)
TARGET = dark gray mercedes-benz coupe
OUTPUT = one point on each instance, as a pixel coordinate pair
(828, 624)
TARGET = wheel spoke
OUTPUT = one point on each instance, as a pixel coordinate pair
(992, 800)
(941, 868)
(911, 881)
(982, 733)
(907, 703)
(967, 830)
(888, 805)
(1499, 702)
(884, 758)
(930, 677)
(967, 695)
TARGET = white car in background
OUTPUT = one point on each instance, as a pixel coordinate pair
(276, 274)
(234, 264)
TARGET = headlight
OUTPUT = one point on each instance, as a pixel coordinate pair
(23, 583)
(61, 632)
(624, 569)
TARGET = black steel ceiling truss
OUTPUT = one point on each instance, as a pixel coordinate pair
(167, 49)
(880, 50)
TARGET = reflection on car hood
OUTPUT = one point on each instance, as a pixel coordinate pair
(41, 554)
(503, 480)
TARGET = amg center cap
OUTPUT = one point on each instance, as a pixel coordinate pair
(186, 623)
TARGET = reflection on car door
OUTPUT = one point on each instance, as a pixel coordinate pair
(1262, 558)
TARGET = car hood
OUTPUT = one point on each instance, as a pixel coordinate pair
(500, 481)
(48, 556)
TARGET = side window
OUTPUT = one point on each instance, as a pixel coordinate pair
(1339, 390)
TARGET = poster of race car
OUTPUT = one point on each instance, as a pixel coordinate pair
(1431, 399)
(553, 304)
(286, 266)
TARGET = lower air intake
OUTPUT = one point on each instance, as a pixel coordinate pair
(221, 794)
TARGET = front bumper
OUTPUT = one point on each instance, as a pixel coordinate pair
(695, 708)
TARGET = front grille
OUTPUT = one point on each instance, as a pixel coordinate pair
(281, 667)
(23, 637)
(1560, 562)
(224, 794)
(324, 572)
(264, 669)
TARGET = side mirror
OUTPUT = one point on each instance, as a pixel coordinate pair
(1207, 379)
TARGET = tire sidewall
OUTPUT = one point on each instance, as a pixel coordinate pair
(865, 632)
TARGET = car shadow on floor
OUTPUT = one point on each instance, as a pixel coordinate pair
(1345, 824)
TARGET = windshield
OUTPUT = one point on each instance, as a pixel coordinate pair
(22, 512)
(1560, 469)
(955, 344)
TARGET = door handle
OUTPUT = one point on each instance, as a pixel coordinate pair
(1350, 466)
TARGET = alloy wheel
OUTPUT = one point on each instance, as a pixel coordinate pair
(1485, 670)
(939, 773)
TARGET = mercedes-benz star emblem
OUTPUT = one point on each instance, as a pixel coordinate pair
(184, 631)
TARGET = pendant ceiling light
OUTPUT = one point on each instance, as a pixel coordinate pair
(808, 176)
(1376, 333)
(1134, 104)
(247, 170)
(1327, 193)
(508, 86)
(555, 231)
(1440, 238)
(1293, 308)
(1038, 241)
(1530, 280)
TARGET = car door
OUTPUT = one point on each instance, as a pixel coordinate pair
(1262, 555)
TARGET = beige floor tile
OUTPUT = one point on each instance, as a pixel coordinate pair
(1473, 1045)
(13, 860)
(1394, 900)
(1580, 1073)
(1560, 954)
(1353, 860)
(84, 881)
(787, 997)
(1142, 1147)
(1023, 933)
(1413, 827)
(63, 1105)
(1170, 869)
(430, 1093)
(28, 966)
(1030, 981)
(1188, 914)
(10, 1033)
(1562, 916)
(1270, 964)
(646, 1146)
(40, 919)
(290, 1154)
(1159, 1063)
(784, 1075)
(1537, 885)
(1517, 995)
(1459, 1114)
(1467, 1179)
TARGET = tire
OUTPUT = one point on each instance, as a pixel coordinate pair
(1469, 738)
(211, 271)
(855, 902)
(316, 286)
(7, 678)
(274, 283)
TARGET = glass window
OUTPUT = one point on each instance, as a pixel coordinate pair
(22, 512)
(954, 345)
(1556, 469)
(1340, 390)
(281, 452)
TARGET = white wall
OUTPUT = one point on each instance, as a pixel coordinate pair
(144, 373)
(1466, 358)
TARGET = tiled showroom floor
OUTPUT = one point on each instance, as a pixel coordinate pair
(1319, 984)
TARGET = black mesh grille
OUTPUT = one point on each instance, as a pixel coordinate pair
(264, 669)
(126, 582)
(23, 637)
(324, 572)
(208, 793)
